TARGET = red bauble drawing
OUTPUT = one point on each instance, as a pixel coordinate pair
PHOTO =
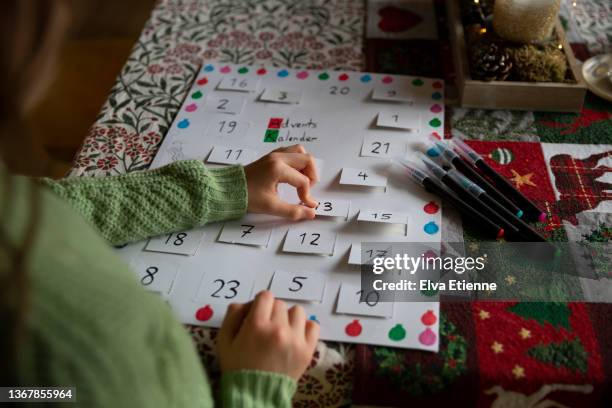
(353, 329)
(395, 20)
(204, 313)
(429, 318)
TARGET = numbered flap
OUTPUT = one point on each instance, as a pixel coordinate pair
(364, 253)
(362, 177)
(333, 208)
(227, 127)
(280, 96)
(246, 233)
(349, 302)
(224, 104)
(155, 275)
(182, 243)
(310, 242)
(230, 285)
(405, 119)
(231, 155)
(382, 146)
(298, 285)
(385, 216)
(238, 83)
(392, 94)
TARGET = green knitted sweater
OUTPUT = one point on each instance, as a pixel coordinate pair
(89, 323)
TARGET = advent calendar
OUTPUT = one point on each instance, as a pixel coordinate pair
(354, 124)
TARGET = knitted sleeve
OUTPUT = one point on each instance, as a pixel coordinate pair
(172, 198)
(256, 389)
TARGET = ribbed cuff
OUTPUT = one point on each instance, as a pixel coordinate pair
(227, 196)
(256, 389)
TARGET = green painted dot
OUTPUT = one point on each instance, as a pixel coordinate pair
(435, 122)
(324, 76)
(397, 333)
(418, 82)
(243, 70)
(196, 95)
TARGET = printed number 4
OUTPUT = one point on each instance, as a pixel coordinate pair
(363, 174)
(315, 239)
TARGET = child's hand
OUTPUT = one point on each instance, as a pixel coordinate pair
(264, 335)
(290, 165)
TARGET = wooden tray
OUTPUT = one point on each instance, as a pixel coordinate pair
(538, 96)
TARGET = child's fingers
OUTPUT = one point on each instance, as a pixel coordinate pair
(292, 211)
(303, 162)
(297, 318)
(279, 313)
(262, 306)
(312, 333)
(296, 148)
(232, 322)
(300, 182)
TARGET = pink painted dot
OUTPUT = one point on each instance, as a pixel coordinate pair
(431, 208)
(436, 108)
(436, 135)
(343, 77)
(261, 71)
(202, 81)
(427, 337)
(191, 108)
(225, 69)
(302, 75)
(387, 80)
(437, 85)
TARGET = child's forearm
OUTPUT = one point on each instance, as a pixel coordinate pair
(175, 197)
(256, 389)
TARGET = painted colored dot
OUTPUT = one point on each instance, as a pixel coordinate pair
(429, 318)
(365, 78)
(302, 75)
(225, 70)
(324, 76)
(436, 135)
(184, 124)
(314, 319)
(428, 337)
(431, 207)
(353, 329)
(436, 95)
(209, 68)
(261, 71)
(433, 152)
(418, 82)
(343, 77)
(204, 314)
(397, 333)
(437, 85)
(243, 70)
(429, 254)
(387, 80)
(436, 108)
(202, 81)
(435, 122)
(283, 73)
(197, 95)
(191, 107)
(431, 228)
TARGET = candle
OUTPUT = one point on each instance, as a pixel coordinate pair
(525, 21)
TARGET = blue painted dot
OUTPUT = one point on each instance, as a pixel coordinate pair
(366, 78)
(209, 68)
(433, 152)
(436, 95)
(431, 228)
(313, 318)
(283, 73)
(184, 124)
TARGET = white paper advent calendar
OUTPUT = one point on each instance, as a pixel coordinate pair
(354, 123)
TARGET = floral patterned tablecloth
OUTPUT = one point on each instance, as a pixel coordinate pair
(319, 34)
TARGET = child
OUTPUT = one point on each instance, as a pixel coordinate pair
(73, 315)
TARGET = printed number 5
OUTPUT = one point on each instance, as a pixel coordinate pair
(296, 280)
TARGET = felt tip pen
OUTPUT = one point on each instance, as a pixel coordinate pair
(449, 155)
(433, 186)
(470, 197)
(524, 230)
(532, 212)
